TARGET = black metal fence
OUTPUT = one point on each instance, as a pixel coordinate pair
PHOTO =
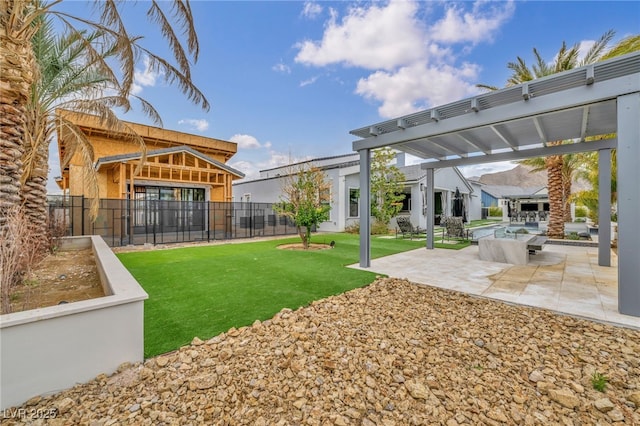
(124, 222)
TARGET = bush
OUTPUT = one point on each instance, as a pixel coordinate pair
(495, 211)
(581, 211)
(353, 228)
(377, 228)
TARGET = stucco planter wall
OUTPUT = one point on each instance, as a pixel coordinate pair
(50, 349)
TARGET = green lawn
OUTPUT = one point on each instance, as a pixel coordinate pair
(203, 291)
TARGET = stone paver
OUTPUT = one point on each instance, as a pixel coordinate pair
(566, 279)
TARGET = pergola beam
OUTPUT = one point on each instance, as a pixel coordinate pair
(525, 153)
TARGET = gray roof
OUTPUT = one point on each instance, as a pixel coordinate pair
(506, 191)
(311, 161)
(136, 155)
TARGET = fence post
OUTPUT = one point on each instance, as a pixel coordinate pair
(82, 216)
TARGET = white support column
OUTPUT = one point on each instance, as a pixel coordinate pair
(604, 207)
(430, 207)
(365, 208)
(628, 204)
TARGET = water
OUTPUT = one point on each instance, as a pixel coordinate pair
(502, 231)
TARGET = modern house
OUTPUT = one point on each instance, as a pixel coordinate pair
(516, 200)
(343, 171)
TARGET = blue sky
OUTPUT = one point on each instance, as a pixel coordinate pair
(288, 80)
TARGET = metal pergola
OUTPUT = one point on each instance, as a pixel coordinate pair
(596, 106)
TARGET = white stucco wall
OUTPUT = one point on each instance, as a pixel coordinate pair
(51, 349)
(269, 190)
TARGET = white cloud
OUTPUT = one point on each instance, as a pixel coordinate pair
(311, 10)
(144, 78)
(248, 142)
(200, 125)
(475, 26)
(371, 38)
(416, 87)
(282, 68)
(414, 65)
(308, 81)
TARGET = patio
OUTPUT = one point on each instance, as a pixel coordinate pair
(563, 279)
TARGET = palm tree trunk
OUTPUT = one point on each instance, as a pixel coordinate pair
(566, 195)
(34, 192)
(16, 61)
(556, 203)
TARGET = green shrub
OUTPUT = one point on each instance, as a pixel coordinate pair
(581, 211)
(377, 228)
(572, 236)
(495, 211)
(353, 228)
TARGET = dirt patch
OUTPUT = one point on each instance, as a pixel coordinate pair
(67, 276)
(299, 246)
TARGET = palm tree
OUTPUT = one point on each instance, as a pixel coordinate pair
(66, 78)
(570, 166)
(565, 59)
(20, 21)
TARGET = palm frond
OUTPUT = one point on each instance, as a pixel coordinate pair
(598, 49)
(487, 87)
(156, 14)
(624, 46)
(173, 75)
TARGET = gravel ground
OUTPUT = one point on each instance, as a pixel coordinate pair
(392, 353)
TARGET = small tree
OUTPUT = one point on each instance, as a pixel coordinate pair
(386, 186)
(306, 200)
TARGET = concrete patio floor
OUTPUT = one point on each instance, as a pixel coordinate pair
(565, 279)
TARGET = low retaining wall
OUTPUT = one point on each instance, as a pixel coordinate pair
(50, 349)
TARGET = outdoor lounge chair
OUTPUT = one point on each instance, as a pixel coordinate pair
(405, 227)
(454, 228)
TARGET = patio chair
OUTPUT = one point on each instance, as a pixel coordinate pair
(454, 228)
(405, 227)
(542, 215)
(531, 216)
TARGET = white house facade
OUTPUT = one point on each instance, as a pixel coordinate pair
(343, 172)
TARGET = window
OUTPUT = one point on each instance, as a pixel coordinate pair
(406, 202)
(354, 202)
(325, 199)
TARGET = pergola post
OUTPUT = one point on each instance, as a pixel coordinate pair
(628, 204)
(365, 208)
(604, 207)
(430, 198)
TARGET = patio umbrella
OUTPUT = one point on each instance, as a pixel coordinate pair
(458, 204)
